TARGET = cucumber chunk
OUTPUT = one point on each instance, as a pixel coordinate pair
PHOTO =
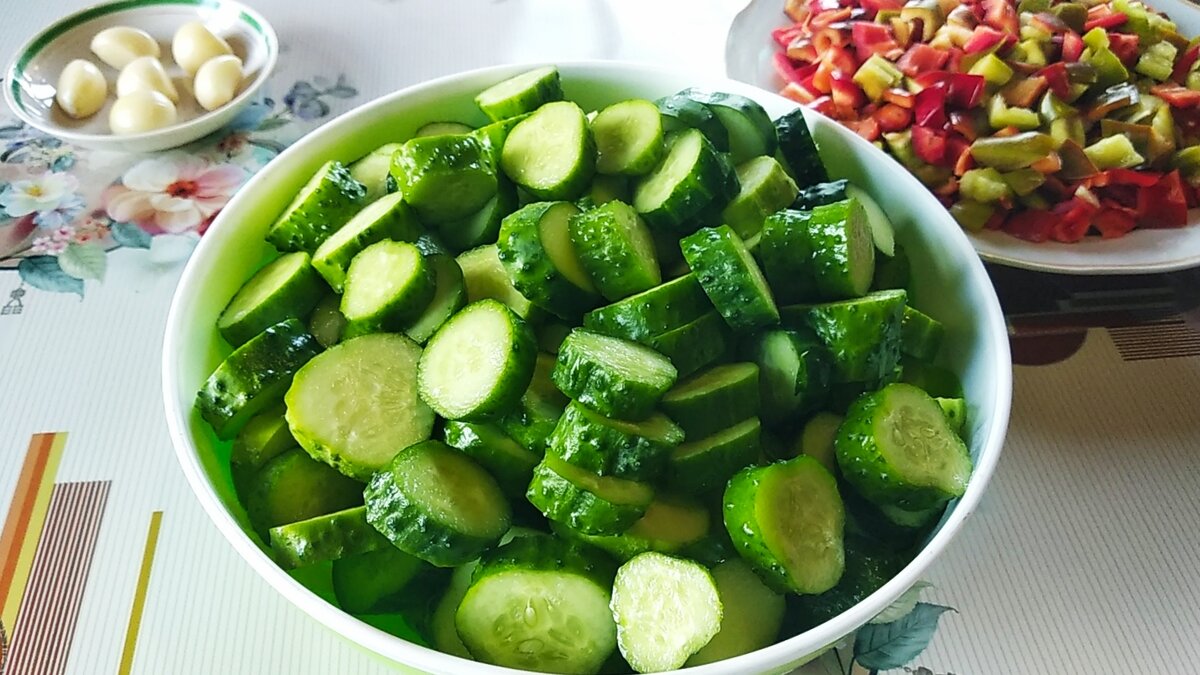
(764, 189)
(882, 232)
(798, 149)
(786, 252)
(584, 501)
(863, 335)
(366, 582)
(449, 296)
(286, 288)
(355, 405)
(442, 129)
(868, 568)
(629, 138)
(920, 335)
(483, 226)
(324, 538)
(326, 322)
(443, 632)
(387, 285)
(671, 524)
(955, 410)
(540, 604)
(478, 363)
(293, 487)
(608, 447)
(326, 202)
(666, 610)
(694, 345)
(616, 250)
(794, 373)
(786, 519)
(485, 277)
(820, 194)
(705, 464)
(254, 376)
(731, 278)
(932, 379)
(520, 94)
(680, 111)
(551, 335)
(897, 448)
(751, 614)
(385, 218)
(843, 252)
(551, 153)
(509, 462)
(533, 419)
(714, 399)
(817, 439)
(896, 530)
(435, 503)
(374, 172)
(536, 250)
(750, 130)
(493, 136)
(688, 181)
(445, 178)
(614, 377)
(263, 438)
(653, 312)
(605, 189)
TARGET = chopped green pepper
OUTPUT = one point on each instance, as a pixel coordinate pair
(1114, 152)
(886, 15)
(1000, 115)
(1109, 69)
(930, 14)
(1052, 108)
(1068, 128)
(1033, 6)
(876, 75)
(1008, 153)
(1139, 135)
(1193, 80)
(1075, 162)
(1163, 124)
(1187, 161)
(984, 185)
(1034, 200)
(1029, 51)
(993, 69)
(1137, 20)
(1157, 61)
(1024, 181)
(1031, 32)
(1073, 14)
(1114, 98)
(971, 215)
(1096, 39)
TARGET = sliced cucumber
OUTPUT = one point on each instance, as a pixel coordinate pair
(330, 198)
(434, 503)
(731, 278)
(355, 406)
(868, 568)
(292, 487)
(445, 637)
(863, 335)
(540, 604)
(786, 520)
(694, 345)
(551, 153)
(605, 189)
(705, 464)
(449, 296)
(666, 610)
(286, 288)
(614, 377)
(326, 322)
(533, 419)
(955, 409)
(508, 461)
(671, 524)
(932, 379)
(385, 218)
(551, 335)
(764, 189)
(485, 277)
(714, 399)
(750, 130)
(897, 448)
(820, 194)
(651, 313)
(263, 438)
(536, 250)
(254, 376)
(629, 138)
(483, 226)
(898, 530)
(387, 285)
(445, 178)
(324, 538)
(616, 250)
(364, 583)
(688, 180)
(882, 232)
(478, 363)
(817, 439)
(751, 614)
(374, 171)
(798, 149)
(521, 94)
(786, 252)
(843, 252)
(920, 335)
(443, 129)
(681, 111)
(493, 135)
(608, 447)
(584, 501)
(794, 373)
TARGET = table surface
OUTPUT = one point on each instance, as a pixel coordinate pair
(1082, 558)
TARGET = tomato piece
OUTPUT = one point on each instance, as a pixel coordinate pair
(1113, 223)
(929, 107)
(921, 58)
(1164, 203)
(929, 144)
(892, 117)
(1033, 225)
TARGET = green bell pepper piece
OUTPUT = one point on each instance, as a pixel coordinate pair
(1024, 181)
(1052, 108)
(876, 75)
(971, 215)
(1187, 161)
(993, 69)
(1075, 162)
(1157, 61)
(1000, 115)
(1114, 152)
(1071, 13)
(1029, 51)
(1137, 20)
(1193, 80)
(1068, 128)
(984, 185)
(1009, 153)
(1096, 39)
(1033, 6)
(1109, 69)
(1031, 32)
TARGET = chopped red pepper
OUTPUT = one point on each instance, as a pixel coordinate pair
(1056, 77)
(1164, 203)
(820, 79)
(823, 105)
(868, 128)
(1104, 20)
(958, 154)
(1051, 163)
(930, 78)
(1033, 225)
(929, 107)
(1177, 96)
(785, 68)
(983, 39)
(873, 6)
(1072, 46)
(798, 93)
(846, 94)
(871, 38)
(1184, 65)
(1074, 219)
(921, 58)
(899, 97)
(965, 91)
(784, 36)
(841, 59)
(1002, 15)
(1130, 177)
(929, 145)
(954, 63)
(1124, 46)
(892, 117)
(828, 17)
(1050, 23)
(1113, 223)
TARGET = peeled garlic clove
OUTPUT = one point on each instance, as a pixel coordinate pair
(194, 44)
(217, 81)
(119, 45)
(81, 89)
(141, 110)
(146, 72)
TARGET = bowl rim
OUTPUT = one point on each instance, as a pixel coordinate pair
(412, 655)
(158, 137)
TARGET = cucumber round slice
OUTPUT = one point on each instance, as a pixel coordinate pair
(353, 406)
(817, 439)
(584, 501)
(666, 609)
(449, 296)
(608, 447)
(287, 287)
(445, 178)
(688, 181)
(750, 130)
(442, 129)
(955, 409)
(615, 249)
(293, 487)
(695, 345)
(714, 399)
(731, 278)
(326, 322)
(385, 218)
(483, 226)
(478, 363)
(536, 250)
(629, 138)
(485, 277)
(843, 252)
(263, 438)
(533, 420)
(521, 94)
(614, 377)
(798, 149)
(671, 524)
(324, 538)
(794, 373)
(387, 284)
(364, 582)
(680, 111)
(653, 312)
(540, 604)
(863, 335)
(374, 171)
(329, 199)
(920, 335)
(493, 135)
(254, 376)
(751, 614)
(786, 252)
(551, 153)
(897, 448)
(764, 189)
(786, 519)
(509, 462)
(434, 503)
(706, 464)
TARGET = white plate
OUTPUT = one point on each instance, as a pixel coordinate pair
(749, 51)
(31, 77)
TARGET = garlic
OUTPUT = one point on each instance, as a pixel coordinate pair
(217, 81)
(119, 45)
(146, 72)
(194, 44)
(141, 110)
(81, 90)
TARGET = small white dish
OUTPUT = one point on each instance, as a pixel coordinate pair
(749, 55)
(31, 77)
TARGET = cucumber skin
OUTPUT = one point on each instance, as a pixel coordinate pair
(543, 552)
(746, 212)
(533, 419)
(647, 315)
(400, 225)
(688, 112)
(695, 345)
(254, 376)
(425, 168)
(821, 194)
(328, 537)
(728, 283)
(831, 235)
(296, 298)
(811, 389)
(253, 447)
(564, 502)
(710, 470)
(530, 269)
(864, 341)
(702, 189)
(798, 148)
(293, 487)
(476, 440)
(445, 271)
(468, 233)
(720, 408)
(306, 226)
(607, 255)
(355, 596)
(602, 390)
(608, 451)
(920, 335)
(544, 91)
(867, 521)
(786, 252)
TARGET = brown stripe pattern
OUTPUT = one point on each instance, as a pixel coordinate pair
(1165, 339)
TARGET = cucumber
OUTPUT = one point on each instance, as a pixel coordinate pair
(798, 149)
(324, 538)
(616, 250)
(688, 180)
(483, 226)
(786, 519)
(551, 153)
(520, 94)
(919, 520)
(387, 285)
(605, 189)
(764, 189)
(750, 130)
(444, 633)
(920, 335)
(385, 218)
(254, 376)
(705, 464)
(731, 278)
(955, 410)
(551, 334)
(292, 487)
(485, 277)
(540, 604)
(478, 363)
(442, 129)
(449, 296)
(286, 288)
(820, 194)
(614, 377)
(671, 524)
(629, 138)
(933, 379)
(843, 252)
(532, 420)
(608, 447)
(326, 322)
(882, 232)
(666, 610)
(584, 501)
(364, 583)
(356, 405)
(430, 244)
(653, 312)
(493, 135)
(694, 345)
(786, 252)
(263, 438)
(868, 568)
(863, 335)
(329, 199)
(374, 171)
(445, 178)
(508, 462)
(897, 448)
(714, 399)
(751, 614)
(892, 272)
(536, 250)
(794, 373)
(898, 530)
(435, 503)
(817, 439)
(681, 112)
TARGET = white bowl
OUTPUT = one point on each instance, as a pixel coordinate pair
(32, 75)
(949, 283)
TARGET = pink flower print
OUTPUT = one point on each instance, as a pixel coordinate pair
(91, 229)
(49, 245)
(173, 194)
(63, 233)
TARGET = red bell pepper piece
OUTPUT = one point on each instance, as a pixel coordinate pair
(1056, 77)
(900, 97)
(930, 78)
(929, 107)
(799, 92)
(1131, 177)
(1051, 163)
(1074, 219)
(1101, 20)
(1002, 15)
(929, 145)
(784, 36)
(964, 125)
(830, 36)
(873, 6)
(954, 63)
(841, 59)
(1072, 46)
(845, 93)
(868, 128)
(1163, 204)
(871, 38)
(829, 17)
(983, 39)
(921, 58)
(958, 154)
(1113, 223)
(1124, 46)
(823, 105)
(1184, 65)
(1033, 225)
(784, 67)
(892, 117)
(965, 91)
(1176, 96)
(997, 220)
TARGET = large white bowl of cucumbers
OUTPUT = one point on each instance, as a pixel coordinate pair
(593, 368)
